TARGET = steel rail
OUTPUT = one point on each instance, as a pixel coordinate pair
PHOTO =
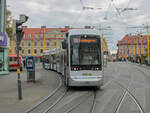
(94, 100)
(56, 102)
(94, 103)
(46, 97)
(133, 98)
(74, 107)
(122, 98)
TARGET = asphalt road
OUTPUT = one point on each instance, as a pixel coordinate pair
(46, 82)
(126, 90)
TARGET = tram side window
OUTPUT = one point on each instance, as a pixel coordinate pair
(13, 59)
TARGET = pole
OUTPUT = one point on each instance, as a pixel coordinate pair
(141, 44)
(44, 40)
(134, 50)
(18, 72)
(147, 45)
(137, 48)
(137, 44)
(32, 47)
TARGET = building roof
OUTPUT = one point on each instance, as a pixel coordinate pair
(40, 31)
(83, 31)
(128, 39)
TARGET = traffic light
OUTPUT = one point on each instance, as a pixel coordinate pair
(18, 32)
(17, 28)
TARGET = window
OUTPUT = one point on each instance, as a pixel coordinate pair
(47, 43)
(2, 59)
(35, 51)
(47, 35)
(29, 35)
(41, 43)
(36, 35)
(41, 51)
(54, 43)
(29, 43)
(42, 35)
(22, 51)
(35, 43)
(29, 51)
(22, 43)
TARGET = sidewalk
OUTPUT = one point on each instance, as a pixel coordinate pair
(142, 65)
(46, 82)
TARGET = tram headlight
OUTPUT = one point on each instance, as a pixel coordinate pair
(96, 68)
(75, 69)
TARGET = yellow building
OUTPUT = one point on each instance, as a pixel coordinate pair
(36, 40)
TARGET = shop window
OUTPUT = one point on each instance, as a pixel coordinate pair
(35, 51)
(22, 51)
(2, 59)
(29, 51)
(41, 51)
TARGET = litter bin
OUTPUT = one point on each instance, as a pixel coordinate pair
(31, 75)
(30, 66)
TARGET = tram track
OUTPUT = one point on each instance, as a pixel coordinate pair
(61, 94)
(92, 108)
(43, 104)
(127, 92)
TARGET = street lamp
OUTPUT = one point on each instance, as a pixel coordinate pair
(18, 32)
(148, 54)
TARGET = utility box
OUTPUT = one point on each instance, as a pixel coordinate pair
(30, 66)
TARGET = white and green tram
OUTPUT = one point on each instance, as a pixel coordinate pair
(80, 59)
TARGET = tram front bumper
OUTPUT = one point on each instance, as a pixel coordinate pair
(86, 82)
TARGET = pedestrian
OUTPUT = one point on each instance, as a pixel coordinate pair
(24, 63)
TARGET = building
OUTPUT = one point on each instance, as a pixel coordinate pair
(133, 48)
(4, 44)
(37, 40)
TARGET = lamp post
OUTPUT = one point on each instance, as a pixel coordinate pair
(18, 32)
(148, 56)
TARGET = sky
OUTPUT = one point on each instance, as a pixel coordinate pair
(109, 14)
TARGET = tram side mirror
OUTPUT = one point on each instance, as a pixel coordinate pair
(67, 35)
(64, 45)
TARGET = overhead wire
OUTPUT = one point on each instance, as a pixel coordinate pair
(109, 5)
(81, 12)
(128, 3)
(117, 9)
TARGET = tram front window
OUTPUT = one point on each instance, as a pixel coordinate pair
(85, 51)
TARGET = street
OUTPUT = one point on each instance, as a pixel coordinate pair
(126, 90)
(74, 56)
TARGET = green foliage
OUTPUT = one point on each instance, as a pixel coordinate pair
(8, 23)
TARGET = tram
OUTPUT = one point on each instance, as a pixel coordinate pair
(12, 62)
(80, 59)
(45, 59)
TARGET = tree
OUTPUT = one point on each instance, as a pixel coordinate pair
(8, 23)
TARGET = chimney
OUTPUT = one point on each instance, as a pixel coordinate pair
(43, 26)
(24, 27)
(87, 27)
(67, 26)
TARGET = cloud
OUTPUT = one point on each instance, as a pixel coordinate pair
(56, 13)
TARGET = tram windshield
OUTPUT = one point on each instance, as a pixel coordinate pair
(85, 50)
